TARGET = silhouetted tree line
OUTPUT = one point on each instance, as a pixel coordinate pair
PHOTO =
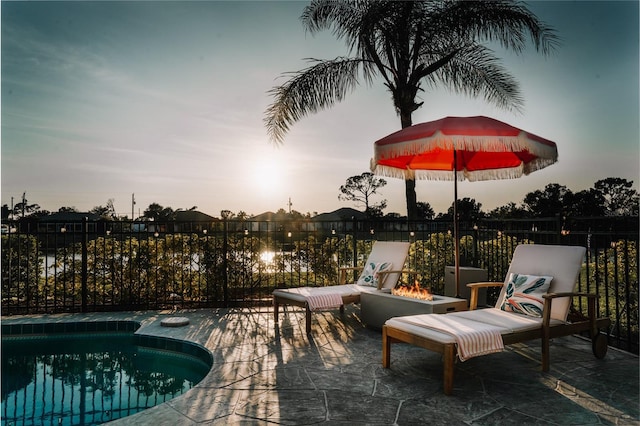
(608, 197)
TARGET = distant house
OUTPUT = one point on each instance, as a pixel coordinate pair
(194, 216)
(344, 213)
(71, 222)
(184, 221)
(63, 228)
(271, 216)
(267, 221)
(193, 221)
(339, 221)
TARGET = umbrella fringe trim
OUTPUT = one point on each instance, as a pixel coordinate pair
(472, 176)
(467, 143)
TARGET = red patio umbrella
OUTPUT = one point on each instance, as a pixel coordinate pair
(458, 148)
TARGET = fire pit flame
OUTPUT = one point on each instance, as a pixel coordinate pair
(414, 292)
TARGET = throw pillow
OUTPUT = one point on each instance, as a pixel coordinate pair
(523, 294)
(370, 274)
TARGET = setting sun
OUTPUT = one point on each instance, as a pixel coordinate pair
(268, 177)
(268, 172)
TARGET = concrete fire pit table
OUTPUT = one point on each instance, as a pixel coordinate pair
(376, 308)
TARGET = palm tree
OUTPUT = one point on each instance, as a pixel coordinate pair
(409, 44)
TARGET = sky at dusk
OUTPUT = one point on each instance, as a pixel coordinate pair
(166, 100)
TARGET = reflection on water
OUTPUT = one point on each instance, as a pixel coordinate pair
(267, 256)
(89, 380)
(269, 262)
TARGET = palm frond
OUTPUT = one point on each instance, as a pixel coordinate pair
(475, 71)
(317, 87)
(407, 43)
(357, 23)
(343, 18)
(506, 22)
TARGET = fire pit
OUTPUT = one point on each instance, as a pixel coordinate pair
(378, 307)
(414, 292)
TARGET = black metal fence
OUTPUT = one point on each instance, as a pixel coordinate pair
(120, 265)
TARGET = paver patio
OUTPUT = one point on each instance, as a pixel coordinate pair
(265, 373)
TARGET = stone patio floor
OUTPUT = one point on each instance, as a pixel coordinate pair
(265, 373)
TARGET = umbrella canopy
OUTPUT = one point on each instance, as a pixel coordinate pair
(458, 148)
(485, 149)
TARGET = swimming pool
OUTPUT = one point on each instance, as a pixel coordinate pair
(91, 373)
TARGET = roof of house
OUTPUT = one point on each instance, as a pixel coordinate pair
(194, 216)
(270, 216)
(344, 213)
(70, 217)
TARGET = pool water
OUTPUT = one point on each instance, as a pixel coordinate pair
(90, 378)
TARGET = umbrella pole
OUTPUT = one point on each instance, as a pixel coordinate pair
(456, 242)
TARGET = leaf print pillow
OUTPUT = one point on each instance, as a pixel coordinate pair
(523, 294)
(370, 274)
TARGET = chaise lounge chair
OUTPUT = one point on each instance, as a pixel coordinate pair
(382, 270)
(526, 309)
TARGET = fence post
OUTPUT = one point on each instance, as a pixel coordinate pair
(559, 229)
(475, 245)
(85, 238)
(355, 247)
(225, 263)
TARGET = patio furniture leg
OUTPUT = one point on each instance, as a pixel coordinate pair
(449, 358)
(545, 348)
(307, 319)
(599, 342)
(386, 348)
(276, 308)
(546, 333)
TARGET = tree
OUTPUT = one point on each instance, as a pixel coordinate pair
(409, 44)
(360, 189)
(106, 212)
(619, 197)
(242, 215)
(469, 210)
(70, 209)
(289, 215)
(23, 208)
(226, 214)
(509, 211)
(547, 203)
(158, 213)
(425, 211)
(589, 202)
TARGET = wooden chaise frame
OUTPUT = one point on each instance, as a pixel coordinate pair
(278, 300)
(545, 332)
(382, 251)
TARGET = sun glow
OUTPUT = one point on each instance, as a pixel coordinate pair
(268, 173)
(267, 256)
(268, 177)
